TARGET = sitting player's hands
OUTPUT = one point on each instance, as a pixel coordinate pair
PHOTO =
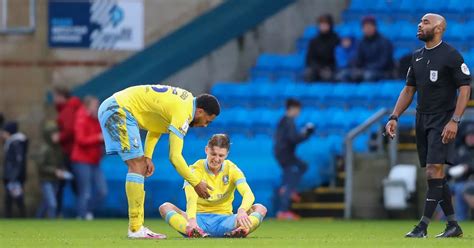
(243, 219)
(192, 224)
(150, 167)
(201, 190)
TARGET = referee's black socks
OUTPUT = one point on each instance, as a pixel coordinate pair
(447, 205)
(433, 197)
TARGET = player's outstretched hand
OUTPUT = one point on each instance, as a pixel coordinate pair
(391, 128)
(201, 190)
(243, 219)
(150, 167)
(449, 132)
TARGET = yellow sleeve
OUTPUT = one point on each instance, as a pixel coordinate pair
(247, 196)
(150, 143)
(179, 125)
(176, 158)
(191, 201)
(244, 189)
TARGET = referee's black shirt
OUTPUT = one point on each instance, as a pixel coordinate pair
(437, 73)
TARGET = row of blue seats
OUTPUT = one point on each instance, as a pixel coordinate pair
(411, 6)
(404, 30)
(266, 94)
(291, 66)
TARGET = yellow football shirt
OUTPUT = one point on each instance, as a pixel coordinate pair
(159, 108)
(223, 184)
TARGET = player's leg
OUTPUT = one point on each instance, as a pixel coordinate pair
(174, 216)
(420, 230)
(122, 135)
(256, 214)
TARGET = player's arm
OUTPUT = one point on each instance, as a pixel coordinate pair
(191, 201)
(247, 195)
(176, 158)
(462, 78)
(150, 143)
(404, 100)
(247, 200)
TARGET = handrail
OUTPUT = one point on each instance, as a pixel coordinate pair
(349, 160)
(4, 29)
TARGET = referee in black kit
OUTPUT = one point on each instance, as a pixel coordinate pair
(437, 71)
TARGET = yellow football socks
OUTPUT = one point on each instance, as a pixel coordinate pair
(134, 187)
(176, 221)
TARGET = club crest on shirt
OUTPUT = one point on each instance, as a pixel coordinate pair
(433, 75)
(465, 69)
(225, 179)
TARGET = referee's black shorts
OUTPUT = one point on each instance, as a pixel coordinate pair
(431, 149)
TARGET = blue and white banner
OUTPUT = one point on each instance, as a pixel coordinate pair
(96, 24)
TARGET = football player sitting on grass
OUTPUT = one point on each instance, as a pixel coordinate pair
(213, 216)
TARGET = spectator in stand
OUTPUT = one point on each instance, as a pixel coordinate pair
(462, 172)
(2, 119)
(374, 54)
(287, 138)
(86, 154)
(14, 167)
(320, 60)
(66, 106)
(50, 169)
(346, 53)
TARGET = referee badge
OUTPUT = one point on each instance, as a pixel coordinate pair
(433, 75)
(225, 179)
(465, 69)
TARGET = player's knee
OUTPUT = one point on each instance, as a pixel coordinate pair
(164, 208)
(260, 208)
(434, 171)
(137, 165)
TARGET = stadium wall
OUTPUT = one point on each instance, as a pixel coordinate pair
(29, 68)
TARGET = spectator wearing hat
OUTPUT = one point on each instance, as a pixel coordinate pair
(374, 54)
(14, 167)
(320, 59)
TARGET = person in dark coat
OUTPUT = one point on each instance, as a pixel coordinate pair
(14, 167)
(50, 170)
(320, 59)
(287, 137)
(374, 59)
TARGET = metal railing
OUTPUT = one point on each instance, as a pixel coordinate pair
(5, 29)
(349, 155)
(392, 151)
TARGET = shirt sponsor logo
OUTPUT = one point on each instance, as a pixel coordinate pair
(433, 75)
(465, 69)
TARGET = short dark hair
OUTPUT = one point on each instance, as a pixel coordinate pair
(369, 20)
(63, 91)
(220, 140)
(326, 18)
(290, 103)
(208, 103)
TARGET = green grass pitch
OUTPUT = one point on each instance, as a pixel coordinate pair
(305, 233)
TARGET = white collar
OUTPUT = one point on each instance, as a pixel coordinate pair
(434, 46)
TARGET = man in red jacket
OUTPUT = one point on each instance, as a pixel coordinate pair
(66, 107)
(86, 154)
